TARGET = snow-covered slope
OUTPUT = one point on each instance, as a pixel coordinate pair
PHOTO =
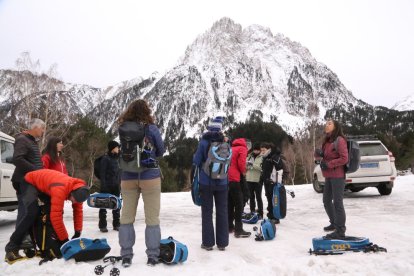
(405, 104)
(385, 220)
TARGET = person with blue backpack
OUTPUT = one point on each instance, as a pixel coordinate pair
(141, 145)
(212, 158)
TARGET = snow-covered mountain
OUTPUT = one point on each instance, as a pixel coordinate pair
(228, 69)
(242, 71)
(405, 104)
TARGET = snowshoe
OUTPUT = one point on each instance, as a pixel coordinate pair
(104, 201)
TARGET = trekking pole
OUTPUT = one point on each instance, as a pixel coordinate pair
(291, 193)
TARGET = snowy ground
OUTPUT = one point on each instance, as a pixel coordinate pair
(386, 220)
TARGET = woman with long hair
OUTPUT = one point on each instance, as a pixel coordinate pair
(334, 156)
(146, 181)
(52, 157)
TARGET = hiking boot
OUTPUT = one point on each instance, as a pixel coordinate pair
(335, 236)
(275, 220)
(30, 252)
(13, 256)
(208, 248)
(242, 234)
(152, 262)
(221, 248)
(126, 261)
(103, 230)
(329, 228)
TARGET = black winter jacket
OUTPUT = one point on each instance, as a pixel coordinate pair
(277, 161)
(26, 157)
(110, 174)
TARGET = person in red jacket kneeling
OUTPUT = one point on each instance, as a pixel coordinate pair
(59, 187)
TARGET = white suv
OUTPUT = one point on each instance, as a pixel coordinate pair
(377, 168)
(8, 199)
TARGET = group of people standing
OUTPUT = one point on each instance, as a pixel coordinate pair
(250, 169)
(265, 166)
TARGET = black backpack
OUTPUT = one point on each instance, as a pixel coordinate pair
(354, 155)
(44, 235)
(132, 136)
(97, 167)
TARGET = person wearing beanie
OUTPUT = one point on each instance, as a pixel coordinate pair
(58, 187)
(212, 190)
(216, 124)
(110, 183)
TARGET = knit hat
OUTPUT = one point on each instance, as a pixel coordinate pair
(81, 194)
(215, 124)
(112, 145)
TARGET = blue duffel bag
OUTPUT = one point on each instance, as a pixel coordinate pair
(83, 249)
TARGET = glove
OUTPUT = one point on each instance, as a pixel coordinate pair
(324, 165)
(63, 242)
(77, 235)
(318, 153)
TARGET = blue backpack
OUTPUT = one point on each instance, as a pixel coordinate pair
(267, 230)
(172, 251)
(218, 160)
(83, 249)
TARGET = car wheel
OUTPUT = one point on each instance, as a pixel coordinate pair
(355, 190)
(383, 189)
(317, 185)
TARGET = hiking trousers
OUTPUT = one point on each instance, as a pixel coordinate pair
(29, 196)
(210, 195)
(235, 203)
(151, 194)
(255, 189)
(333, 201)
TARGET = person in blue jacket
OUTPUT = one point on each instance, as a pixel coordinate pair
(146, 183)
(212, 190)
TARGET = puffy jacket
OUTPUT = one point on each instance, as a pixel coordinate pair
(335, 159)
(255, 170)
(26, 156)
(200, 156)
(238, 160)
(58, 186)
(48, 163)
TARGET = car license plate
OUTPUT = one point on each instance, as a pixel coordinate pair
(369, 165)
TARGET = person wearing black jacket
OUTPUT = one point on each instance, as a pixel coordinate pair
(110, 183)
(26, 158)
(272, 160)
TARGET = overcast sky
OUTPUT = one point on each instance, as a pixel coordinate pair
(368, 44)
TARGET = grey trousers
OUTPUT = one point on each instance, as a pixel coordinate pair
(333, 201)
(151, 193)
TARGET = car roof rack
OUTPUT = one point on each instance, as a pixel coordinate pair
(362, 137)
